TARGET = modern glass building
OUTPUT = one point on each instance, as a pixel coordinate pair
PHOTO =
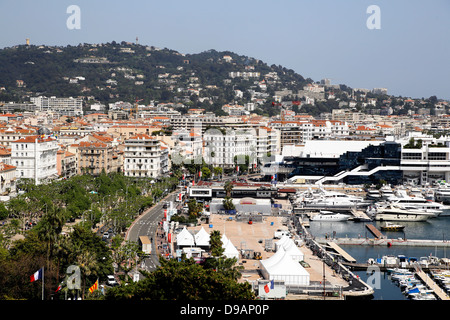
(371, 164)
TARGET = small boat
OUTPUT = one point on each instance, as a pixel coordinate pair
(392, 227)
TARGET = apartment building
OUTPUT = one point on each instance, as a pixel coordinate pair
(145, 157)
(220, 147)
(93, 157)
(62, 106)
(7, 179)
(12, 134)
(35, 158)
(67, 164)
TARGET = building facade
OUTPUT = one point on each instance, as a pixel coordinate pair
(144, 157)
(35, 158)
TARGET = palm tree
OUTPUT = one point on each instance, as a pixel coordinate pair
(228, 187)
(87, 261)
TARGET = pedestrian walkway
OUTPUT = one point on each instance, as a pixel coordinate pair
(440, 293)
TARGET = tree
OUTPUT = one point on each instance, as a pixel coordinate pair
(206, 173)
(228, 203)
(87, 261)
(194, 208)
(216, 244)
(184, 280)
(228, 187)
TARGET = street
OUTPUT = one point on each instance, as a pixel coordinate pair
(146, 225)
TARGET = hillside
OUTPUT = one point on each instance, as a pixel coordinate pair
(125, 72)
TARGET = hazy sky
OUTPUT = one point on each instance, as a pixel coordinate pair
(409, 55)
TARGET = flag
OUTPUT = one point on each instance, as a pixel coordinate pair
(37, 275)
(94, 287)
(237, 168)
(199, 174)
(59, 288)
(267, 288)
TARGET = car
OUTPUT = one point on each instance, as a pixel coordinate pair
(111, 280)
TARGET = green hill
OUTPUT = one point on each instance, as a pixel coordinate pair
(125, 72)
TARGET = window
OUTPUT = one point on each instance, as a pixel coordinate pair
(437, 156)
(412, 156)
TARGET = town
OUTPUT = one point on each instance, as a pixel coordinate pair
(241, 181)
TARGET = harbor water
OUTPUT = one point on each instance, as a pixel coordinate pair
(385, 289)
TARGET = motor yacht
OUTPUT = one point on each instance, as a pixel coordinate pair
(335, 200)
(393, 213)
(407, 202)
(442, 194)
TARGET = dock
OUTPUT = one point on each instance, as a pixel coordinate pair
(440, 293)
(341, 251)
(387, 242)
(377, 233)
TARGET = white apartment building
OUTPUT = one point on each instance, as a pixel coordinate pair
(221, 147)
(35, 158)
(267, 143)
(425, 162)
(144, 157)
(62, 106)
(7, 179)
(188, 145)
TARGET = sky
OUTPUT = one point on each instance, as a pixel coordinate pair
(408, 54)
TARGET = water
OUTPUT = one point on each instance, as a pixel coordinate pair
(432, 229)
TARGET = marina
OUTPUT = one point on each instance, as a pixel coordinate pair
(363, 239)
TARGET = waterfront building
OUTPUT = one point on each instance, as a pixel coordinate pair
(35, 158)
(145, 156)
(351, 162)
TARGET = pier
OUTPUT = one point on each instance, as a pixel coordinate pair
(387, 242)
(341, 252)
(431, 284)
(377, 233)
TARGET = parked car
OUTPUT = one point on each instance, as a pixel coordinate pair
(111, 280)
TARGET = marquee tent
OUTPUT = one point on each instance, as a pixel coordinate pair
(290, 247)
(230, 250)
(285, 269)
(185, 239)
(202, 238)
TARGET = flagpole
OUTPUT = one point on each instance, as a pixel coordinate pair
(43, 283)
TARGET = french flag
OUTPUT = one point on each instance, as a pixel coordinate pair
(267, 288)
(36, 276)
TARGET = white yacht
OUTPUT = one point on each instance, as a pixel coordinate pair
(420, 203)
(333, 199)
(329, 216)
(392, 213)
(373, 194)
(386, 191)
(442, 194)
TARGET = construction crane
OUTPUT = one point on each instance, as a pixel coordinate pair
(135, 109)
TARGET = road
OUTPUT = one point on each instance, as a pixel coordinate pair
(146, 225)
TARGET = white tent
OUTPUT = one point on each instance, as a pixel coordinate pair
(272, 260)
(287, 270)
(224, 239)
(185, 238)
(202, 238)
(284, 238)
(290, 247)
(230, 250)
